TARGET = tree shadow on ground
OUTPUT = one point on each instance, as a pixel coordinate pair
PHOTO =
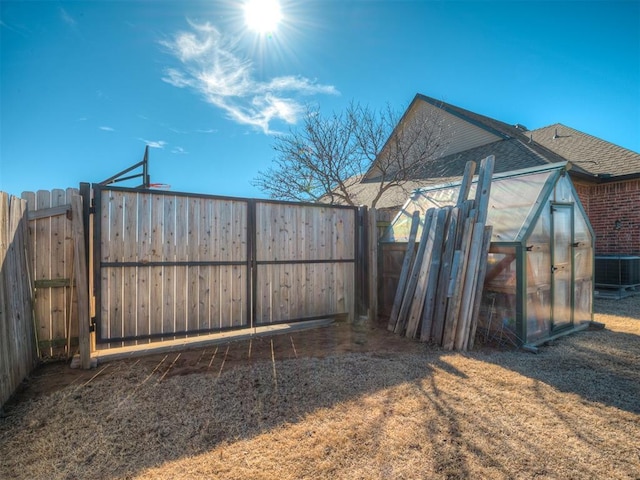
(130, 417)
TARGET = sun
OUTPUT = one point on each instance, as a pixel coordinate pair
(262, 16)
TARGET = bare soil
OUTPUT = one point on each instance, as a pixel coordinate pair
(345, 401)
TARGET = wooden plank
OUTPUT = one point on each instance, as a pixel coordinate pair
(71, 301)
(80, 274)
(444, 277)
(205, 253)
(453, 311)
(144, 274)
(432, 281)
(169, 255)
(54, 211)
(435, 236)
(42, 271)
(468, 288)
(475, 313)
(193, 254)
(483, 190)
(404, 271)
(130, 274)
(465, 186)
(156, 274)
(115, 274)
(7, 361)
(182, 255)
(53, 283)
(415, 271)
(58, 270)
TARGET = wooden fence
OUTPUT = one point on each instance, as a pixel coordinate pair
(18, 351)
(52, 257)
(170, 265)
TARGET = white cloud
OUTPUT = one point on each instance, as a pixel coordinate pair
(66, 18)
(154, 143)
(211, 67)
(107, 129)
(179, 151)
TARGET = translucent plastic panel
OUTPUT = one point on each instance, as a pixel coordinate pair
(497, 322)
(538, 301)
(511, 202)
(563, 193)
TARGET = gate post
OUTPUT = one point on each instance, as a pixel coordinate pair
(82, 283)
(361, 267)
(372, 249)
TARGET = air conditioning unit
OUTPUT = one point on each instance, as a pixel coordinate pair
(617, 270)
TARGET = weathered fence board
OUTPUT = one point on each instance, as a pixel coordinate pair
(18, 348)
(52, 246)
(203, 263)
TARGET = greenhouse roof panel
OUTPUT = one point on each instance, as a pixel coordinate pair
(513, 198)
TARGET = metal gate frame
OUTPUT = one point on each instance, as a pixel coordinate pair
(359, 302)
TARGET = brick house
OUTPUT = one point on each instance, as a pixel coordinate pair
(606, 176)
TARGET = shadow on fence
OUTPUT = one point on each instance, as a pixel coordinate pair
(18, 349)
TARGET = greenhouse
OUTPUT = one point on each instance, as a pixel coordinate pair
(539, 273)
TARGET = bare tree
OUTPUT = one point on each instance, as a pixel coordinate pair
(333, 159)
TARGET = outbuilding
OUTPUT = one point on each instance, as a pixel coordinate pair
(539, 273)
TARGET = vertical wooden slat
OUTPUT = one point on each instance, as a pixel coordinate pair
(144, 275)
(415, 272)
(71, 312)
(182, 255)
(43, 272)
(130, 274)
(193, 254)
(58, 295)
(424, 274)
(115, 274)
(82, 282)
(156, 274)
(204, 274)
(443, 279)
(434, 273)
(169, 255)
(404, 271)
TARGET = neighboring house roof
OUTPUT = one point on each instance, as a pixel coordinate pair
(596, 156)
(513, 146)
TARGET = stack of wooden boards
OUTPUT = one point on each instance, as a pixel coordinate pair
(440, 285)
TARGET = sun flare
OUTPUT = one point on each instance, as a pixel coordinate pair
(262, 16)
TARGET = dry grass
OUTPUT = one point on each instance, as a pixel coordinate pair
(572, 411)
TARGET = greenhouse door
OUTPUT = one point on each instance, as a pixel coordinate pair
(561, 266)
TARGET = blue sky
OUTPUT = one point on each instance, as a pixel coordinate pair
(86, 84)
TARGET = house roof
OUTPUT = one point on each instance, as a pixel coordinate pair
(518, 148)
(596, 156)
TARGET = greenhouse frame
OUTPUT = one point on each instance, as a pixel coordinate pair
(539, 272)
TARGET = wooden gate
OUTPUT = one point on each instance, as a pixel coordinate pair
(170, 265)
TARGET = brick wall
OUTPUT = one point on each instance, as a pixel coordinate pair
(614, 212)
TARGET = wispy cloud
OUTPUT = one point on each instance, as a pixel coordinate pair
(66, 18)
(210, 66)
(154, 143)
(206, 130)
(107, 129)
(179, 151)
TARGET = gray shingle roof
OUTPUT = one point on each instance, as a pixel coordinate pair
(520, 148)
(592, 154)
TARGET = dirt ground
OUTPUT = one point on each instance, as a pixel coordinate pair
(340, 402)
